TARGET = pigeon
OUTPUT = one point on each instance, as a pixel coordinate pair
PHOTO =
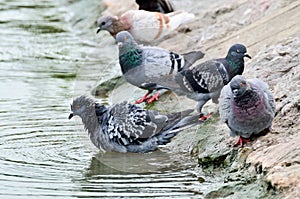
(145, 26)
(125, 127)
(163, 6)
(151, 68)
(247, 107)
(206, 80)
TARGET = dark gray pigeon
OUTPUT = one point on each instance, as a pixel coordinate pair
(163, 6)
(247, 107)
(151, 68)
(125, 127)
(206, 80)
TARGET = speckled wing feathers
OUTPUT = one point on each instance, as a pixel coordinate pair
(127, 122)
(204, 78)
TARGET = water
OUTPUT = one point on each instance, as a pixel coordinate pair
(49, 53)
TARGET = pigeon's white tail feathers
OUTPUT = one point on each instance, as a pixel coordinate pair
(178, 18)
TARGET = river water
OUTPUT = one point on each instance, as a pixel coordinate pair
(50, 53)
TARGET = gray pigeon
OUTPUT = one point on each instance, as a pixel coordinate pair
(247, 107)
(206, 80)
(163, 6)
(125, 127)
(151, 68)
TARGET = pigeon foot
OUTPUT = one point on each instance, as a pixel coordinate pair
(205, 117)
(143, 99)
(241, 142)
(153, 98)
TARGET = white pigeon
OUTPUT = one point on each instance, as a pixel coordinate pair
(144, 26)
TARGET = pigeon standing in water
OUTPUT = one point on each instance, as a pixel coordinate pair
(151, 68)
(206, 80)
(126, 127)
(247, 107)
(144, 26)
(163, 6)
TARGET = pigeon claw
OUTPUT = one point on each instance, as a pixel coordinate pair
(143, 99)
(205, 117)
(241, 142)
(153, 98)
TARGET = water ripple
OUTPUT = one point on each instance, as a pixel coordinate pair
(44, 49)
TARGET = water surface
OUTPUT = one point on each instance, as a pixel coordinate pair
(48, 55)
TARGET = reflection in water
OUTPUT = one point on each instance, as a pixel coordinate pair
(109, 176)
(43, 154)
(156, 161)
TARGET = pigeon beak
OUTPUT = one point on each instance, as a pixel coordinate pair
(98, 30)
(71, 115)
(246, 55)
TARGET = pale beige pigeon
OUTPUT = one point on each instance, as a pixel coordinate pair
(144, 26)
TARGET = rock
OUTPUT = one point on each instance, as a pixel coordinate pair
(280, 162)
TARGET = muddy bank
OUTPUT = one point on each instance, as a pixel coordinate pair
(268, 167)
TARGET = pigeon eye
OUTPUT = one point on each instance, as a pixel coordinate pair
(77, 107)
(238, 51)
(241, 84)
(103, 23)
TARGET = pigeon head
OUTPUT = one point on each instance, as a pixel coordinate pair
(237, 52)
(82, 106)
(239, 86)
(107, 23)
(125, 40)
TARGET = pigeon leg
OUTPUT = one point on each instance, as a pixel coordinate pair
(153, 98)
(205, 117)
(143, 99)
(201, 102)
(241, 142)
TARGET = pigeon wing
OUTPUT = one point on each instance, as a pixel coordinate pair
(128, 123)
(204, 78)
(158, 68)
(225, 103)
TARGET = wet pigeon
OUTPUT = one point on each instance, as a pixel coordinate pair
(247, 107)
(125, 127)
(144, 26)
(163, 6)
(151, 68)
(206, 80)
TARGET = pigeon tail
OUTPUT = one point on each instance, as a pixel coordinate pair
(189, 121)
(191, 57)
(178, 18)
(163, 6)
(177, 124)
